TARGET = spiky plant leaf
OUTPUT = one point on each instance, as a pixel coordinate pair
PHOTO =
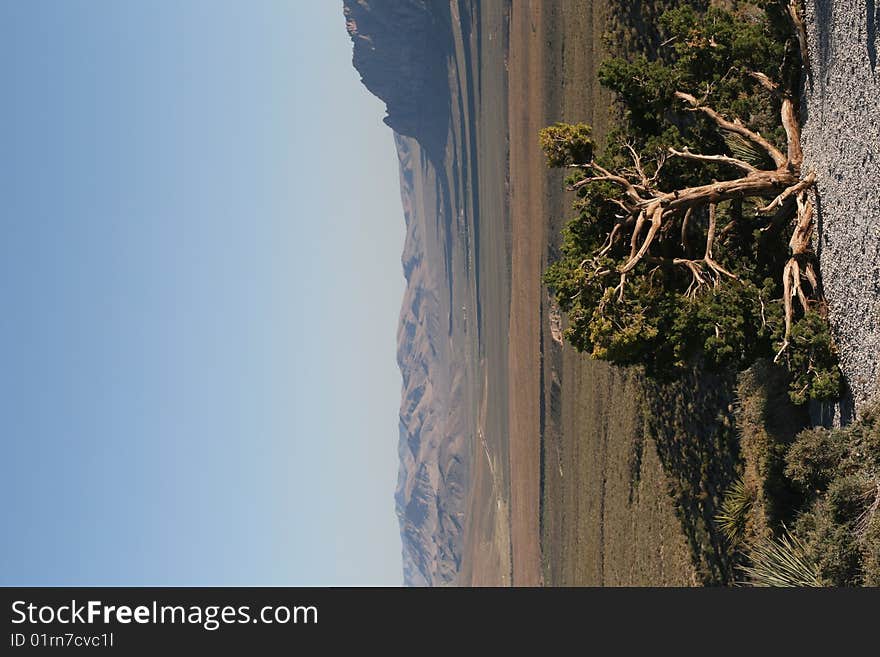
(745, 150)
(783, 562)
(735, 510)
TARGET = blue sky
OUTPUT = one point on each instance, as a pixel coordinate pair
(200, 282)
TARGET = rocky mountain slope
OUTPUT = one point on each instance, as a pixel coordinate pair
(402, 49)
(433, 435)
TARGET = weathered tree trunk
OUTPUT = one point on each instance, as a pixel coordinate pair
(648, 211)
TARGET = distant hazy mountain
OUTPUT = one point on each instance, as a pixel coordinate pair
(401, 51)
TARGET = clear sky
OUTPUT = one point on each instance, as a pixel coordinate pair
(200, 282)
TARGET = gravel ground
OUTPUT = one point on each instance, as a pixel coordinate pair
(842, 144)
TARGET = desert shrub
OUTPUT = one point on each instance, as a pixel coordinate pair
(831, 544)
(735, 508)
(813, 459)
(566, 144)
(812, 360)
(871, 563)
(838, 474)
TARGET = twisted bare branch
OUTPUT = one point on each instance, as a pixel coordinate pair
(734, 126)
(724, 159)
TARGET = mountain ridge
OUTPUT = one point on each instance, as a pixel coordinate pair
(401, 49)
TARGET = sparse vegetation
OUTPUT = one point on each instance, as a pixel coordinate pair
(602, 431)
(731, 461)
(838, 473)
(817, 507)
(690, 421)
(691, 251)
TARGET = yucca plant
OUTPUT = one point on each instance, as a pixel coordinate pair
(735, 507)
(781, 562)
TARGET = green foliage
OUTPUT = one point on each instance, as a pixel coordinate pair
(664, 321)
(871, 563)
(735, 510)
(813, 459)
(812, 361)
(567, 144)
(838, 473)
(701, 58)
(709, 53)
(825, 483)
(819, 456)
(833, 546)
(725, 324)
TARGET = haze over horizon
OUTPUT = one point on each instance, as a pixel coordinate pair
(201, 301)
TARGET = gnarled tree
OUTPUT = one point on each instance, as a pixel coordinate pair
(695, 226)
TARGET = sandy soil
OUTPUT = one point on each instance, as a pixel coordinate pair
(486, 557)
(566, 487)
(604, 514)
(527, 213)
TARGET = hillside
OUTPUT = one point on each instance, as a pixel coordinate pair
(408, 54)
(521, 460)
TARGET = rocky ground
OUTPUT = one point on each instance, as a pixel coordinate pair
(842, 145)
